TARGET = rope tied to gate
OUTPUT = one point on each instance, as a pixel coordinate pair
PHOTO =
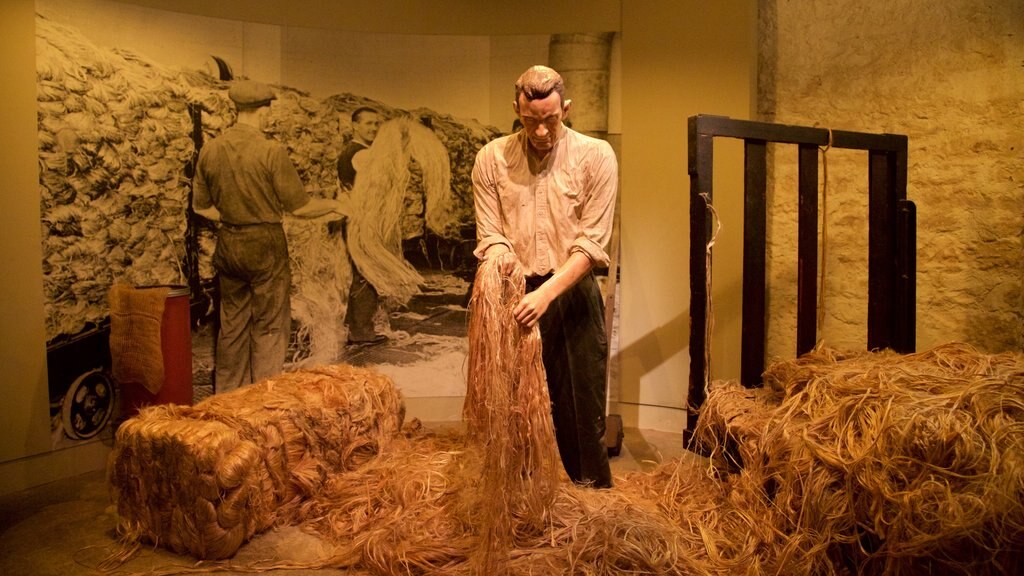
(824, 232)
(709, 324)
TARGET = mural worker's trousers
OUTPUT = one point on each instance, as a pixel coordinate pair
(255, 305)
(575, 352)
(363, 302)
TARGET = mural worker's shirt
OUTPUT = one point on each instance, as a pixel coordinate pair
(346, 169)
(544, 210)
(250, 179)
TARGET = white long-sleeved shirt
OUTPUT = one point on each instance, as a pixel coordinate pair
(545, 209)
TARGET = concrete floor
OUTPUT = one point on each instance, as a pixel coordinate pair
(68, 527)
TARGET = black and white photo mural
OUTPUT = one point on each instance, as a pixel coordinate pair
(127, 98)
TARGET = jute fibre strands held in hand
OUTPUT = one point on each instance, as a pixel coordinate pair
(508, 413)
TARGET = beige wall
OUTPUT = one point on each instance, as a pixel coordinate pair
(23, 386)
(677, 58)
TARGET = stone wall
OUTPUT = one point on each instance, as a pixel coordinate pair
(949, 75)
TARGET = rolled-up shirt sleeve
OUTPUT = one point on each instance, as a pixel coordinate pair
(598, 213)
(487, 205)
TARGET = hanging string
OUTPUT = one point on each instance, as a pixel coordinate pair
(709, 324)
(824, 233)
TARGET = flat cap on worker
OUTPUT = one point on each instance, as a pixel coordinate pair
(247, 94)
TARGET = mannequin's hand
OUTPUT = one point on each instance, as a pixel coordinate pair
(532, 307)
(506, 262)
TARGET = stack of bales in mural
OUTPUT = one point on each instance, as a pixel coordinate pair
(116, 142)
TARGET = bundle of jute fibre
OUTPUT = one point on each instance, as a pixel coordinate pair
(881, 463)
(508, 414)
(375, 225)
(203, 479)
(730, 422)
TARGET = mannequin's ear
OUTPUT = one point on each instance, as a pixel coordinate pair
(565, 107)
(515, 107)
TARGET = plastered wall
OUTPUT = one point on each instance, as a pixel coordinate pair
(949, 76)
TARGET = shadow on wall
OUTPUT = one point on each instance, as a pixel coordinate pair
(651, 350)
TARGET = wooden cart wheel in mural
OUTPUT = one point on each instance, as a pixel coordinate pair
(88, 405)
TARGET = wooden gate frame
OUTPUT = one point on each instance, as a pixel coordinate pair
(891, 240)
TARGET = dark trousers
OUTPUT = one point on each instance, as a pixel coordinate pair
(575, 352)
(255, 303)
(363, 301)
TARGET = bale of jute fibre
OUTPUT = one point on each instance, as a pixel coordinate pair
(196, 487)
(203, 479)
(508, 414)
(883, 463)
(317, 421)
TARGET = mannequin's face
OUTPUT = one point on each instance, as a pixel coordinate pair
(542, 120)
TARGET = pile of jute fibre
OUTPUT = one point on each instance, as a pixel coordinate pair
(870, 463)
(878, 463)
(492, 498)
(486, 498)
(203, 479)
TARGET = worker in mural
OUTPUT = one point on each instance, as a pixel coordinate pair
(545, 197)
(246, 183)
(363, 300)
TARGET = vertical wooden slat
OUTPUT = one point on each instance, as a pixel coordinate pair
(700, 167)
(905, 340)
(807, 250)
(755, 185)
(881, 250)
